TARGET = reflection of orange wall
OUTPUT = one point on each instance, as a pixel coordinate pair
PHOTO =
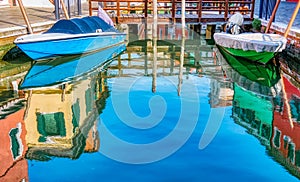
(93, 140)
(18, 172)
(7, 163)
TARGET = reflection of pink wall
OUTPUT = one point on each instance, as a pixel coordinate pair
(7, 162)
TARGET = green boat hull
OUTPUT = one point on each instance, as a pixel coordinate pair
(267, 75)
(251, 55)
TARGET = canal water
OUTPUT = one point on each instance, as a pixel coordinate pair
(159, 109)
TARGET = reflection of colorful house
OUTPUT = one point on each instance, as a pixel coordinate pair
(62, 121)
(13, 166)
(254, 112)
(286, 128)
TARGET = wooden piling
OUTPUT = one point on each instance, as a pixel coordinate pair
(272, 16)
(64, 9)
(25, 16)
(292, 20)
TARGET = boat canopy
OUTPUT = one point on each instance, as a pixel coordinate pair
(90, 24)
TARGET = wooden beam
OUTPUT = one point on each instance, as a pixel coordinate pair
(292, 19)
(64, 9)
(25, 16)
(272, 16)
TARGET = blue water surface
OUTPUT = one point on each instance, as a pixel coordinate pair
(233, 154)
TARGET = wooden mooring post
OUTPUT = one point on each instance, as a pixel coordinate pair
(25, 16)
(292, 20)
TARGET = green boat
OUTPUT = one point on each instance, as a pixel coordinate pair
(267, 75)
(254, 47)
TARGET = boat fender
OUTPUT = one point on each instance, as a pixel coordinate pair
(98, 30)
(234, 24)
(232, 28)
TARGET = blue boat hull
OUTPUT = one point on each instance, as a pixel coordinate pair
(65, 69)
(70, 45)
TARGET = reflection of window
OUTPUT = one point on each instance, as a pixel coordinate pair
(295, 108)
(297, 158)
(88, 100)
(51, 124)
(256, 124)
(291, 152)
(75, 114)
(286, 140)
(276, 139)
(266, 131)
(15, 146)
(278, 103)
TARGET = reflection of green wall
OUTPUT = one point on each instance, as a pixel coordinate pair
(75, 114)
(88, 101)
(262, 107)
(51, 124)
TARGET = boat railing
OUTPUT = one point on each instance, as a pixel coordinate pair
(197, 8)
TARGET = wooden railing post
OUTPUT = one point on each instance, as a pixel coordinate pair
(288, 28)
(118, 11)
(252, 10)
(146, 8)
(199, 10)
(64, 9)
(226, 10)
(273, 16)
(90, 8)
(173, 10)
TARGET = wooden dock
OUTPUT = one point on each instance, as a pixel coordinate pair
(204, 11)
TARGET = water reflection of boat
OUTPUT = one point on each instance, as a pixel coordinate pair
(70, 37)
(63, 123)
(64, 69)
(267, 75)
(261, 79)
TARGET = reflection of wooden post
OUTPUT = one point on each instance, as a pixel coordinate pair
(154, 18)
(146, 49)
(183, 17)
(292, 20)
(181, 67)
(154, 68)
(64, 9)
(273, 16)
(119, 65)
(285, 98)
(154, 45)
(25, 16)
(27, 104)
(63, 90)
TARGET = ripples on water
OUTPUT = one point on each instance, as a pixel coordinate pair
(200, 117)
